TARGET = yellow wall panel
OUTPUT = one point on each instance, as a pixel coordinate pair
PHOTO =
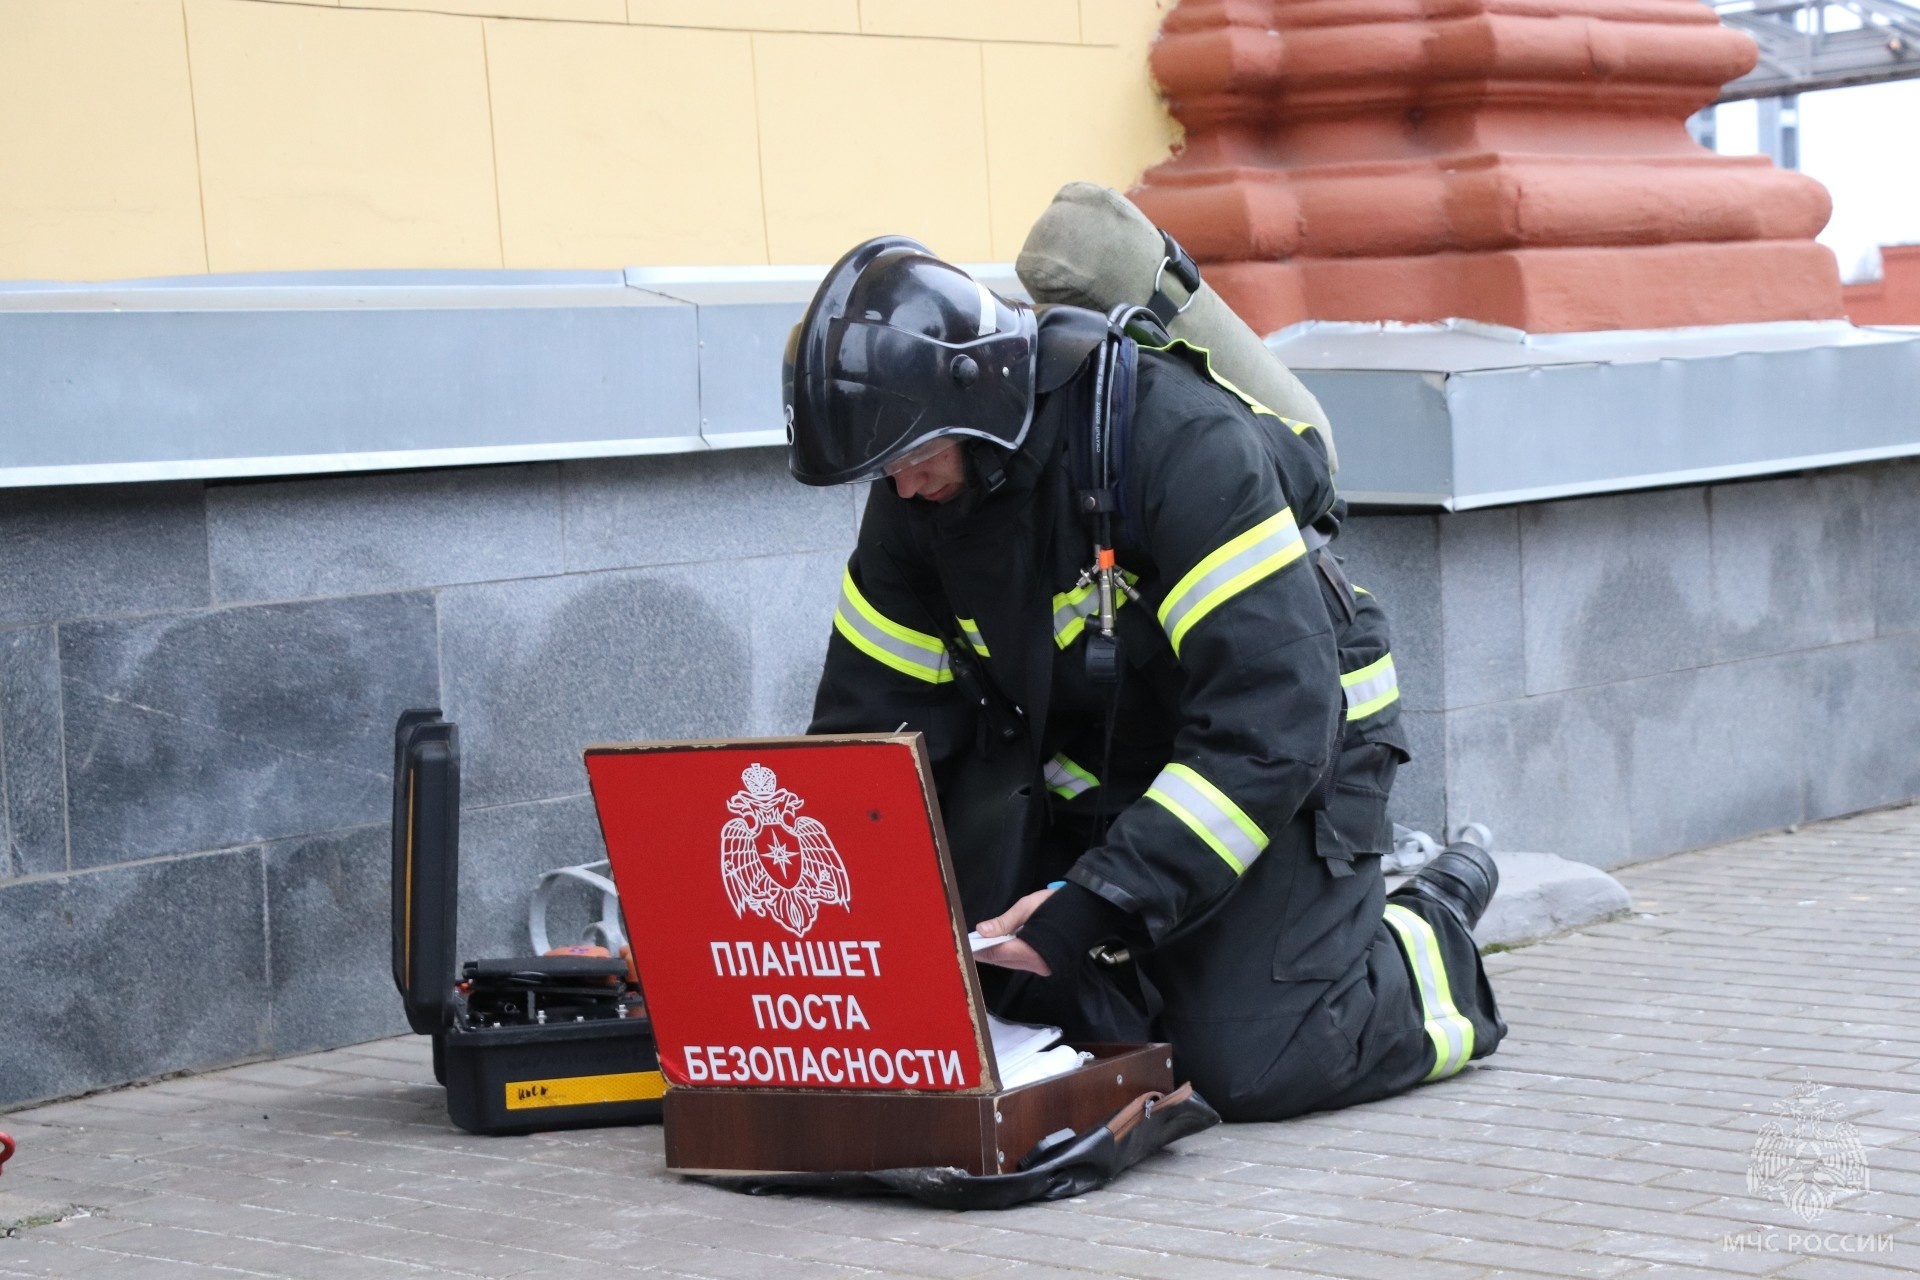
(333, 139)
(97, 175)
(1127, 22)
(722, 131)
(622, 146)
(1046, 20)
(861, 135)
(566, 10)
(750, 15)
(1103, 125)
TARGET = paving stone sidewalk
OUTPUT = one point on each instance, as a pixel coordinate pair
(1612, 1135)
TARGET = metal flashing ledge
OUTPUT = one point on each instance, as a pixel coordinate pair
(285, 374)
(207, 377)
(1458, 415)
(203, 377)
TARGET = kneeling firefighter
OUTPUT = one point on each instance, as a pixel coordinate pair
(1163, 725)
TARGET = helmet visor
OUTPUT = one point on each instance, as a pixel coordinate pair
(892, 392)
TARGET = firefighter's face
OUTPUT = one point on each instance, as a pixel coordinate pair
(938, 477)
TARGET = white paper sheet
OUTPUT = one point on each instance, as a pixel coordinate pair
(1026, 1053)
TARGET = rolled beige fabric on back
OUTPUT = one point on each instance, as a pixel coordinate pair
(1092, 248)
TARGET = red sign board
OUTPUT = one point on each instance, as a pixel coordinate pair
(790, 913)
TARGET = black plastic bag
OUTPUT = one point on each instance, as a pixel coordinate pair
(1061, 1166)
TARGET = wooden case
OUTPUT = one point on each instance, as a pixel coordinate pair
(819, 1131)
(776, 1127)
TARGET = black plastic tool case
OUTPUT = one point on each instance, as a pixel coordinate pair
(521, 1045)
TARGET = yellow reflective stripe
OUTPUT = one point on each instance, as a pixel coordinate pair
(1067, 779)
(1208, 813)
(1231, 568)
(1372, 688)
(1359, 590)
(1070, 612)
(910, 652)
(1447, 1027)
(971, 629)
(1252, 404)
(1206, 356)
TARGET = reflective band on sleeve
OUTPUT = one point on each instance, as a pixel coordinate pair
(971, 630)
(1207, 812)
(1071, 609)
(1237, 564)
(910, 652)
(1298, 427)
(1067, 779)
(1447, 1027)
(1372, 688)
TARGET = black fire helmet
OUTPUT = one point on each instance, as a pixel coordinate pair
(899, 348)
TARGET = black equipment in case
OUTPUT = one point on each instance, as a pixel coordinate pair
(521, 1044)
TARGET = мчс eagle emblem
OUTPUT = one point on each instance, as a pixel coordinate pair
(1807, 1157)
(777, 865)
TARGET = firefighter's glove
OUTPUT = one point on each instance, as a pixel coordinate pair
(1071, 922)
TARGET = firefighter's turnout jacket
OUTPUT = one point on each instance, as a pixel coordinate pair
(1228, 795)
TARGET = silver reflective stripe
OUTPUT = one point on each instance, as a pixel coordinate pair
(971, 630)
(910, 652)
(1067, 779)
(1447, 1027)
(1370, 689)
(1070, 612)
(1229, 569)
(1206, 811)
(1071, 609)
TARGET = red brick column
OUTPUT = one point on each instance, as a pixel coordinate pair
(1522, 162)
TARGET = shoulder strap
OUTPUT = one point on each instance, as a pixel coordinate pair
(1098, 482)
(1097, 454)
(1001, 717)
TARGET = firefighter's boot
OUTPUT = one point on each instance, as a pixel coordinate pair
(1462, 877)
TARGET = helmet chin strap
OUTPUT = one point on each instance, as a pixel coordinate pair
(987, 465)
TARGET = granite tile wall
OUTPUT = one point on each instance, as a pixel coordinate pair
(33, 782)
(1625, 676)
(131, 971)
(197, 690)
(102, 552)
(197, 684)
(228, 726)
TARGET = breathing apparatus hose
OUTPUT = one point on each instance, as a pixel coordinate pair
(1113, 408)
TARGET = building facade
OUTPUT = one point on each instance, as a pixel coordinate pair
(386, 424)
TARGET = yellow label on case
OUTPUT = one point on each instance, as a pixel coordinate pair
(585, 1091)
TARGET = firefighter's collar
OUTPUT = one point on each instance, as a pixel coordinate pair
(1068, 335)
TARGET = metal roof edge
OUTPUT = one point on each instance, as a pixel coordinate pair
(1692, 476)
(270, 465)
